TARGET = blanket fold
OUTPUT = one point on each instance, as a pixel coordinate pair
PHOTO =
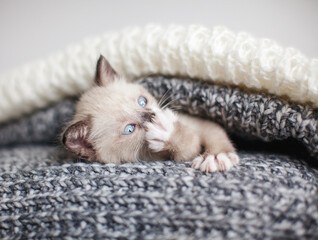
(47, 193)
(215, 54)
(247, 115)
(242, 113)
(42, 126)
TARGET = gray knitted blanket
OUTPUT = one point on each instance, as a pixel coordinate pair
(46, 193)
(244, 114)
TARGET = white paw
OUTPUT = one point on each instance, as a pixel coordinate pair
(160, 130)
(214, 163)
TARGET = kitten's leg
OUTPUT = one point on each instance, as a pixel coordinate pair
(219, 153)
(183, 138)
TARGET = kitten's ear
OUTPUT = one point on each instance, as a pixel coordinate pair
(104, 72)
(75, 139)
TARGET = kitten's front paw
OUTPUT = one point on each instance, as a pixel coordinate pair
(215, 163)
(159, 131)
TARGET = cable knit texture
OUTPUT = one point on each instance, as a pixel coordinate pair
(215, 54)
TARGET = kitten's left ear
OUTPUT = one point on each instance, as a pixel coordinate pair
(104, 72)
(76, 139)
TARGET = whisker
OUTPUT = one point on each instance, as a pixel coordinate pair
(169, 103)
(176, 108)
(164, 98)
(162, 101)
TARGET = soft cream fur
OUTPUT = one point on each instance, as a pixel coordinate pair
(104, 111)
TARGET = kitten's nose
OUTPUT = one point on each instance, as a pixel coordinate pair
(147, 116)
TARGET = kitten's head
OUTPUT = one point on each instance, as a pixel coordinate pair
(110, 120)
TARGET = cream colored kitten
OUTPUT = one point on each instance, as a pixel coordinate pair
(117, 122)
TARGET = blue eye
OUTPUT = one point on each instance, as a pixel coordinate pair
(129, 129)
(142, 101)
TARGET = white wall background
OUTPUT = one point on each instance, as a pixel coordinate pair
(34, 29)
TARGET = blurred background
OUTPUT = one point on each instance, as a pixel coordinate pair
(34, 29)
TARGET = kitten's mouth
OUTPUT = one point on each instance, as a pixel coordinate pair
(157, 140)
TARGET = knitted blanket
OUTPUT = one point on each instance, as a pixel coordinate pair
(256, 89)
(45, 194)
(208, 54)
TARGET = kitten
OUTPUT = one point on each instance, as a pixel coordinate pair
(117, 121)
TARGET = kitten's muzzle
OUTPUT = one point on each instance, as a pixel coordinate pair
(147, 116)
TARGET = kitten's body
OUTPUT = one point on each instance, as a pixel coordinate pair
(117, 122)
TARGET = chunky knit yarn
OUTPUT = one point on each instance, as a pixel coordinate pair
(241, 113)
(210, 54)
(47, 194)
(42, 126)
(44, 194)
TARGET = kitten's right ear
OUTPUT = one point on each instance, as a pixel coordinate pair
(75, 139)
(104, 72)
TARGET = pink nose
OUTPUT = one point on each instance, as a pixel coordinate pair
(147, 116)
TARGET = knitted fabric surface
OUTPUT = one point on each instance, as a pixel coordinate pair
(42, 126)
(44, 194)
(241, 113)
(215, 54)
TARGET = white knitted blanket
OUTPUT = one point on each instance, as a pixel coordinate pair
(214, 54)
